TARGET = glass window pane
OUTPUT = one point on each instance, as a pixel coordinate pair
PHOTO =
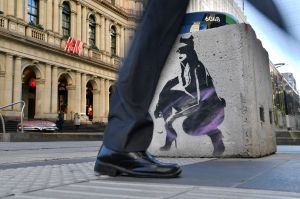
(32, 9)
(66, 19)
(35, 4)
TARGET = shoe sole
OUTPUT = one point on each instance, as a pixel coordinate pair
(102, 168)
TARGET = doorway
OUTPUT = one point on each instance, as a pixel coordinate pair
(29, 92)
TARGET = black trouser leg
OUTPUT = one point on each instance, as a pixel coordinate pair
(129, 125)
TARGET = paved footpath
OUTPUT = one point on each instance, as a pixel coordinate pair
(65, 170)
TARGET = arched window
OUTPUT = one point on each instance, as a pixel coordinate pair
(92, 30)
(33, 11)
(113, 37)
(66, 19)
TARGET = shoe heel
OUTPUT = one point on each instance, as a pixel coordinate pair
(101, 169)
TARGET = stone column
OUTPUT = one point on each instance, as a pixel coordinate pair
(20, 9)
(60, 20)
(54, 90)
(106, 97)
(78, 24)
(25, 10)
(71, 101)
(41, 12)
(2, 61)
(102, 33)
(118, 47)
(17, 82)
(122, 45)
(73, 24)
(10, 8)
(56, 18)
(39, 98)
(78, 93)
(87, 29)
(83, 93)
(102, 99)
(96, 108)
(2, 78)
(84, 27)
(126, 40)
(2, 6)
(107, 35)
(47, 89)
(98, 32)
(8, 80)
(49, 15)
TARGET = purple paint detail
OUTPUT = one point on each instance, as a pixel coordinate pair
(206, 93)
(212, 124)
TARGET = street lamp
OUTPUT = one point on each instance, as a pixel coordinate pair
(279, 65)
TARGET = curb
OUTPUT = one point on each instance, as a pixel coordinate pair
(50, 137)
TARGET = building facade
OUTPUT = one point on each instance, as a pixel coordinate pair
(291, 79)
(228, 6)
(286, 100)
(63, 55)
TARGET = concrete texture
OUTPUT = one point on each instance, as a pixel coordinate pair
(238, 64)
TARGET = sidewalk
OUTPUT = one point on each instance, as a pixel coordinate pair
(71, 175)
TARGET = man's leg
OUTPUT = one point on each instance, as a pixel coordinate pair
(130, 126)
(129, 129)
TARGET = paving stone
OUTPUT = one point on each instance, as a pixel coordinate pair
(41, 177)
(27, 179)
(103, 188)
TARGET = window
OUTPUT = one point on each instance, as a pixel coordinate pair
(66, 19)
(113, 37)
(92, 30)
(33, 11)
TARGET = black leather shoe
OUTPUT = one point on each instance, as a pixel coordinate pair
(136, 164)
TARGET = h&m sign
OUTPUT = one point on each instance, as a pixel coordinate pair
(74, 46)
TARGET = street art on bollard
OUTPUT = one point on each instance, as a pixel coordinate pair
(189, 98)
(192, 96)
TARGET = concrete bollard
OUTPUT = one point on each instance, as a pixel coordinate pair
(214, 97)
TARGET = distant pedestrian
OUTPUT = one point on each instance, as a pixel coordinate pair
(77, 121)
(60, 121)
(90, 112)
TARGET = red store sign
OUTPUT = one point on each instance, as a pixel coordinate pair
(74, 46)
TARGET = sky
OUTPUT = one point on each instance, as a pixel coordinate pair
(282, 47)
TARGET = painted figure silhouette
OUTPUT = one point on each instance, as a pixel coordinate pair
(191, 95)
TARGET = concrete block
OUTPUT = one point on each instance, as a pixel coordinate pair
(222, 111)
